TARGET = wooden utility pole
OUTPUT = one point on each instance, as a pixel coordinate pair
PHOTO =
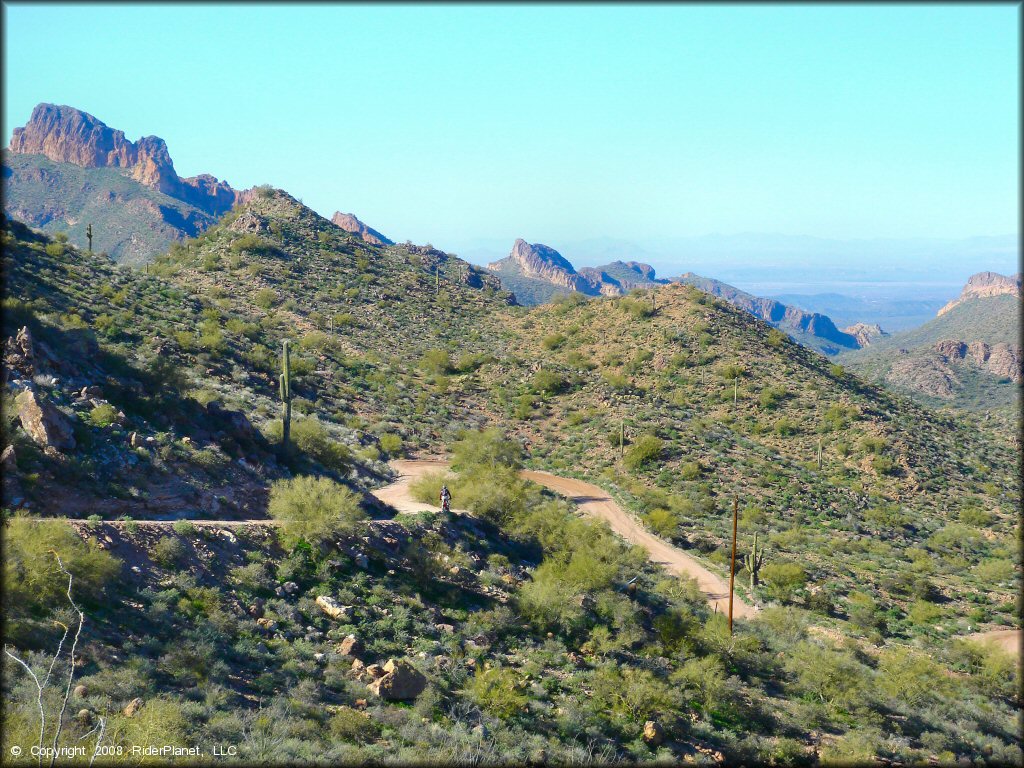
(732, 569)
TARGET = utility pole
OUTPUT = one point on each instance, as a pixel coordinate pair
(732, 570)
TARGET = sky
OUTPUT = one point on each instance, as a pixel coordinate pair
(447, 124)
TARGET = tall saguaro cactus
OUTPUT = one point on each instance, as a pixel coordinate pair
(88, 234)
(753, 562)
(286, 395)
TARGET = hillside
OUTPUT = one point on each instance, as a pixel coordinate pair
(969, 356)
(519, 631)
(65, 170)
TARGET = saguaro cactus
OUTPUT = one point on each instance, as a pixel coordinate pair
(88, 234)
(819, 454)
(753, 562)
(286, 395)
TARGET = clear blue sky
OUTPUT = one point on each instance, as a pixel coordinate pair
(446, 123)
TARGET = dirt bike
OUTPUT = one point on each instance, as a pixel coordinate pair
(446, 505)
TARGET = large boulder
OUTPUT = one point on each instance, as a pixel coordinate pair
(654, 734)
(333, 608)
(401, 682)
(19, 357)
(133, 706)
(350, 646)
(44, 423)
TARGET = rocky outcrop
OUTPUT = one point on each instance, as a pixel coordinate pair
(19, 355)
(400, 682)
(536, 261)
(654, 734)
(68, 135)
(1001, 360)
(865, 333)
(350, 223)
(984, 285)
(333, 608)
(46, 425)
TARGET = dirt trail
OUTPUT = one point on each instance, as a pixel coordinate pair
(592, 501)
(1010, 640)
(589, 498)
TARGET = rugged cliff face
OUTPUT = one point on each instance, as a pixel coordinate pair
(68, 135)
(350, 223)
(541, 263)
(984, 285)
(865, 333)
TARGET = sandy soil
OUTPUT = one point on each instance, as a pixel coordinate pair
(1007, 639)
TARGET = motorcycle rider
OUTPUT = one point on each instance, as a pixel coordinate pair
(446, 499)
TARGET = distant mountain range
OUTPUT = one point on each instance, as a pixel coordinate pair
(969, 355)
(536, 273)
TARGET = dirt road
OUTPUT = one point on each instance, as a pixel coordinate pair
(1010, 640)
(592, 501)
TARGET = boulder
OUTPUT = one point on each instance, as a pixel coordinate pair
(375, 671)
(333, 608)
(654, 734)
(350, 646)
(19, 359)
(266, 624)
(401, 682)
(290, 587)
(46, 425)
(133, 706)
(358, 669)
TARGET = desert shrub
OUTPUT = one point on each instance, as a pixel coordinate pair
(348, 724)
(486, 448)
(731, 371)
(771, 397)
(313, 509)
(995, 571)
(265, 298)
(617, 381)
(32, 579)
(103, 415)
(547, 382)
(662, 521)
(883, 465)
(498, 691)
(782, 580)
(775, 338)
(910, 677)
(436, 361)
(311, 437)
(785, 427)
(863, 611)
(391, 444)
(168, 551)
(922, 612)
(553, 341)
(646, 450)
(630, 694)
(856, 747)
(702, 682)
(689, 470)
(833, 677)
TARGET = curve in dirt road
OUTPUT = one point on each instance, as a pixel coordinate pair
(1010, 640)
(593, 501)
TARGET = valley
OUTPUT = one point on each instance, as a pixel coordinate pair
(230, 421)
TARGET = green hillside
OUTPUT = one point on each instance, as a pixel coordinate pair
(539, 636)
(130, 221)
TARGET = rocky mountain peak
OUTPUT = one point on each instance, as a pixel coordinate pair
(65, 134)
(984, 285)
(350, 223)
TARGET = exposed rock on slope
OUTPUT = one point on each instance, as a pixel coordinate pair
(983, 285)
(865, 333)
(350, 223)
(68, 135)
(66, 169)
